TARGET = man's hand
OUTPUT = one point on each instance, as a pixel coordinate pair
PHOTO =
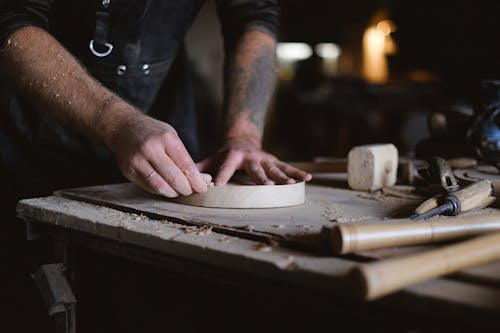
(150, 154)
(261, 167)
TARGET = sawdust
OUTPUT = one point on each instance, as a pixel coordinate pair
(225, 239)
(376, 196)
(250, 228)
(195, 230)
(138, 217)
(338, 214)
(262, 247)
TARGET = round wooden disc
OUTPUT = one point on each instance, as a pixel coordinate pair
(247, 196)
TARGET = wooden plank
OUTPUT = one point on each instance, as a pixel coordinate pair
(200, 244)
(196, 243)
(298, 224)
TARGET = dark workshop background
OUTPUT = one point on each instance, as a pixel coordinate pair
(435, 54)
(441, 49)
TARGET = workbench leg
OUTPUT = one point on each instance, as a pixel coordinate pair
(57, 296)
(63, 253)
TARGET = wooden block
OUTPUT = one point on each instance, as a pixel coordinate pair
(372, 167)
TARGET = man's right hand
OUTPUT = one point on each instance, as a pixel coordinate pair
(148, 151)
(151, 154)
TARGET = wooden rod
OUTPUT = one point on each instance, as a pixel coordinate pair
(352, 237)
(381, 278)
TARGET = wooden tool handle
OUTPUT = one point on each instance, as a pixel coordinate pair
(471, 196)
(427, 205)
(384, 277)
(352, 237)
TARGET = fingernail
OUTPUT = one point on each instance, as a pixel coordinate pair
(183, 188)
(290, 181)
(169, 193)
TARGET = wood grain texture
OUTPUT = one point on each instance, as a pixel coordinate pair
(247, 196)
(372, 167)
(317, 272)
(387, 276)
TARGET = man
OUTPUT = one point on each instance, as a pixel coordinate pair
(87, 83)
(134, 48)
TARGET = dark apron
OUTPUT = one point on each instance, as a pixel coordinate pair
(147, 67)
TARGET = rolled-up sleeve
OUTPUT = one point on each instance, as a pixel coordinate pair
(15, 14)
(237, 16)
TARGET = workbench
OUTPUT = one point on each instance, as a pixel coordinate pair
(284, 246)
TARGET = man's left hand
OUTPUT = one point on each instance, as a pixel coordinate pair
(261, 167)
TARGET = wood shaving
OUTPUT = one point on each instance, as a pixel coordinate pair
(202, 231)
(377, 196)
(278, 226)
(249, 228)
(225, 239)
(138, 217)
(263, 247)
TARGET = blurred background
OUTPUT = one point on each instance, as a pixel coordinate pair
(359, 71)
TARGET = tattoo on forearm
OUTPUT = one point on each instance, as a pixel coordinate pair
(251, 86)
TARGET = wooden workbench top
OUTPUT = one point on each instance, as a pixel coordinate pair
(283, 244)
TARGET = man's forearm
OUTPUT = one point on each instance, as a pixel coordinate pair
(56, 84)
(250, 80)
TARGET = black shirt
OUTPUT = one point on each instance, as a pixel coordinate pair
(146, 66)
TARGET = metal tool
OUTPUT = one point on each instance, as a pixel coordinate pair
(441, 179)
(484, 132)
(440, 173)
(474, 196)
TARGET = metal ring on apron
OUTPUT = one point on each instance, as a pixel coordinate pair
(101, 33)
(100, 54)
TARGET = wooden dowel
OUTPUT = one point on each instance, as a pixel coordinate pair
(381, 278)
(352, 237)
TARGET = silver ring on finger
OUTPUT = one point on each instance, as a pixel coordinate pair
(151, 174)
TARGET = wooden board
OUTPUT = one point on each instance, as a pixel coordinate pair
(300, 224)
(235, 195)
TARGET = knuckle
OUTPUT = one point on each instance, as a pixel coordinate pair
(273, 169)
(170, 176)
(253, 155)
(224, 167)
(146, 148)
(256, 170)
(135, 162)
(128, 172)
(188, 170)
(233, 152)
(169, 136)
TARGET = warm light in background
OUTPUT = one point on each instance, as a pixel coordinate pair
(293, 51)
(377, 44)
(330, 53)
(288, 54)
(327, 50)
